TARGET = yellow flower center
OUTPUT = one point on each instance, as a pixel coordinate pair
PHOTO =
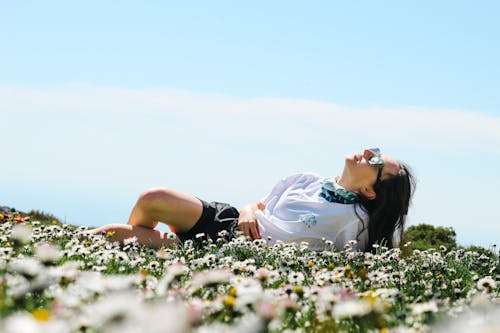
(41, 314)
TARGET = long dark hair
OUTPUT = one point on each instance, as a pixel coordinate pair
(387, 212)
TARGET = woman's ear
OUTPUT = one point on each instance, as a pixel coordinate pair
(368, 193)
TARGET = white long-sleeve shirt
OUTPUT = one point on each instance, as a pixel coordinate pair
(295, 212)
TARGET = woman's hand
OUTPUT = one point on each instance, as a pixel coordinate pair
(250, 227)
(247, 222)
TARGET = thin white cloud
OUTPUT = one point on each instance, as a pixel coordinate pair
(269, 117)
(79, 125)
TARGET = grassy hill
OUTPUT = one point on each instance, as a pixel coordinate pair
(58, 278)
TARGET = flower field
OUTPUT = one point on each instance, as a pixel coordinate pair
(58, 278)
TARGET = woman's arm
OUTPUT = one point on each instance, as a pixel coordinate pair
(247, 222)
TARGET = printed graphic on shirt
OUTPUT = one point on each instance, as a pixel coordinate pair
(308, 219)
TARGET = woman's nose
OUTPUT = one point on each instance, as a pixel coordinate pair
(367, 153)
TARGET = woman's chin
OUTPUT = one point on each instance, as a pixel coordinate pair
(349, 163)
(350, 159)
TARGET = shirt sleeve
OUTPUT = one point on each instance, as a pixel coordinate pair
(280, 187)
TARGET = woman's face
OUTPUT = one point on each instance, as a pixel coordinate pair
(364, 174)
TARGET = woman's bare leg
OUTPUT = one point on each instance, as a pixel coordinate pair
(178, 210)
(145, 236)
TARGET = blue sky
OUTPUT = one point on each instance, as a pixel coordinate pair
(221, 99)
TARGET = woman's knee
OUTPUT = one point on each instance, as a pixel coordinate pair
(110, 227)
(155, 195)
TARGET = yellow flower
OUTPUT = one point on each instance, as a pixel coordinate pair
(41, 314)
(370, 298)
(384, 330)
(362, 273)
(109, 234)
(298, 290)
(233, 291)
(331, 266)
(310, 264)
(347, 272)
(144, 272)
(54, 222)
(439, 276)
(229, 301)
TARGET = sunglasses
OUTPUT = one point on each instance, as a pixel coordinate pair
(378, 161)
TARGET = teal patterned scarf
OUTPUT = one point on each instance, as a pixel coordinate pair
(333, 192)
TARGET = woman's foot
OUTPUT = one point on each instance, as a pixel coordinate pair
(144, 236)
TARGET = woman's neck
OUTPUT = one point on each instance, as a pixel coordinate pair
(344, 181)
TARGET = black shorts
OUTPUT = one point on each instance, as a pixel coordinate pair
(215, 217)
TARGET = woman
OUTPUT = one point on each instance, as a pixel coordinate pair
(368, 203)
